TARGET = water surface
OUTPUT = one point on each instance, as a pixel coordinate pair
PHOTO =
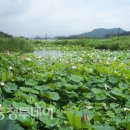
(50, 53)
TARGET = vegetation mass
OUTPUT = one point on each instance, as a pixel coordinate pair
(88, 88)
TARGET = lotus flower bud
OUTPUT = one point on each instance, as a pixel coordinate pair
(84, 119)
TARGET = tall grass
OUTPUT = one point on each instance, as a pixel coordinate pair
(14, 44)
(123, 43)
(21, 44)
(112, 44)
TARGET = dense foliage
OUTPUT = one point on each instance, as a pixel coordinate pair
(14, 44)
(5, 35)
(87, 90)
(123, 43)
(21, 44)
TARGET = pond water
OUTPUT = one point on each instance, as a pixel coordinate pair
(50, 53)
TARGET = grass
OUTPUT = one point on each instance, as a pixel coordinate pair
(20, 44)
(123, 43)
(15, 44)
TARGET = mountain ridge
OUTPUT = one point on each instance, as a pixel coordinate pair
(101, 32)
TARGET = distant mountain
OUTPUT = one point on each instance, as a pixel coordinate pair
(2, 34)
(125, 33)
(98, 33)
(102, 32)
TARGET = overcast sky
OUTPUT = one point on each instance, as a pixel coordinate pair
(62, 17)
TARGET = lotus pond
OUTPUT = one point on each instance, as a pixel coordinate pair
(82, 90)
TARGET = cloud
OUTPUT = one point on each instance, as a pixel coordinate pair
(62, 17)
(13, 7)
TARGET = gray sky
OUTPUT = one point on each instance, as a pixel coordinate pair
(62, 17)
